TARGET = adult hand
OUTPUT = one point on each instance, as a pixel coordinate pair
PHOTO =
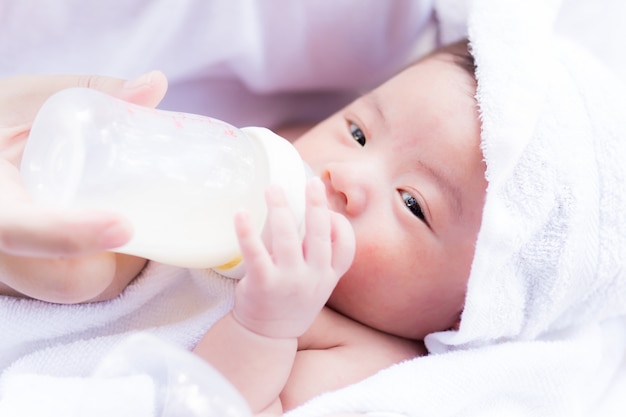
(27, 229)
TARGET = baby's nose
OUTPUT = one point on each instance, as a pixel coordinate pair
(346, 189)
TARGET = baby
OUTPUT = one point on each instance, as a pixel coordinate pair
(402, 164)
(391, 225)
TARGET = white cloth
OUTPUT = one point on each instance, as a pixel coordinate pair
(49, 352)
(174, 303)
(247, 62)
(543, 332)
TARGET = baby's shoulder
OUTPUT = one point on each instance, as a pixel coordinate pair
(334, 330)
(337, 351)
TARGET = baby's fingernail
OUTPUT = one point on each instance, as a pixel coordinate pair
(317, 185)
(115, 235)
(317, 191)
(317, 182)
(275, 194)
(140, 81)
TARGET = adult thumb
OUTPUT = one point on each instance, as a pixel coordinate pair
(21, 96)
(147, 90)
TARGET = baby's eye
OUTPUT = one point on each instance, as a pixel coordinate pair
(357, 134)
(413, 205)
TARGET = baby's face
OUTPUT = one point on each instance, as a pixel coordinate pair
(403, 164)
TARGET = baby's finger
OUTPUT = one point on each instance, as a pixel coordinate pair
(286, 243)
(253, 251)
(343, 243)
(317, 243)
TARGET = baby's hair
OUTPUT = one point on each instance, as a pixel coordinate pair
(459, 52)
(461, 55)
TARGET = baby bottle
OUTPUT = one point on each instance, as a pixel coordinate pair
(178, 177)
(181, 383)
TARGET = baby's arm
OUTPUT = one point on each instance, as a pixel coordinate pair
(337, 351)
(285, 288)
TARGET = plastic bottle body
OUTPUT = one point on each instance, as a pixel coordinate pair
(182, 384)
(179, 178)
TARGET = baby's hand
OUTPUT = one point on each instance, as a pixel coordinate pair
(288, 283)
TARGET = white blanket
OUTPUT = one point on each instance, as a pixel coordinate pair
(544, 328)
(49, 353)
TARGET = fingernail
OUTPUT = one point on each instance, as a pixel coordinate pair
(317, 191)
(274, 194)
(317, 182)
(316, 185)
(140, 81)
(115, 236)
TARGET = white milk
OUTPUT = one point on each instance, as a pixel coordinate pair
(187, 227)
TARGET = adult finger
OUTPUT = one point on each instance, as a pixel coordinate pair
(147, 89)
(63, 234)
(23, 95)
